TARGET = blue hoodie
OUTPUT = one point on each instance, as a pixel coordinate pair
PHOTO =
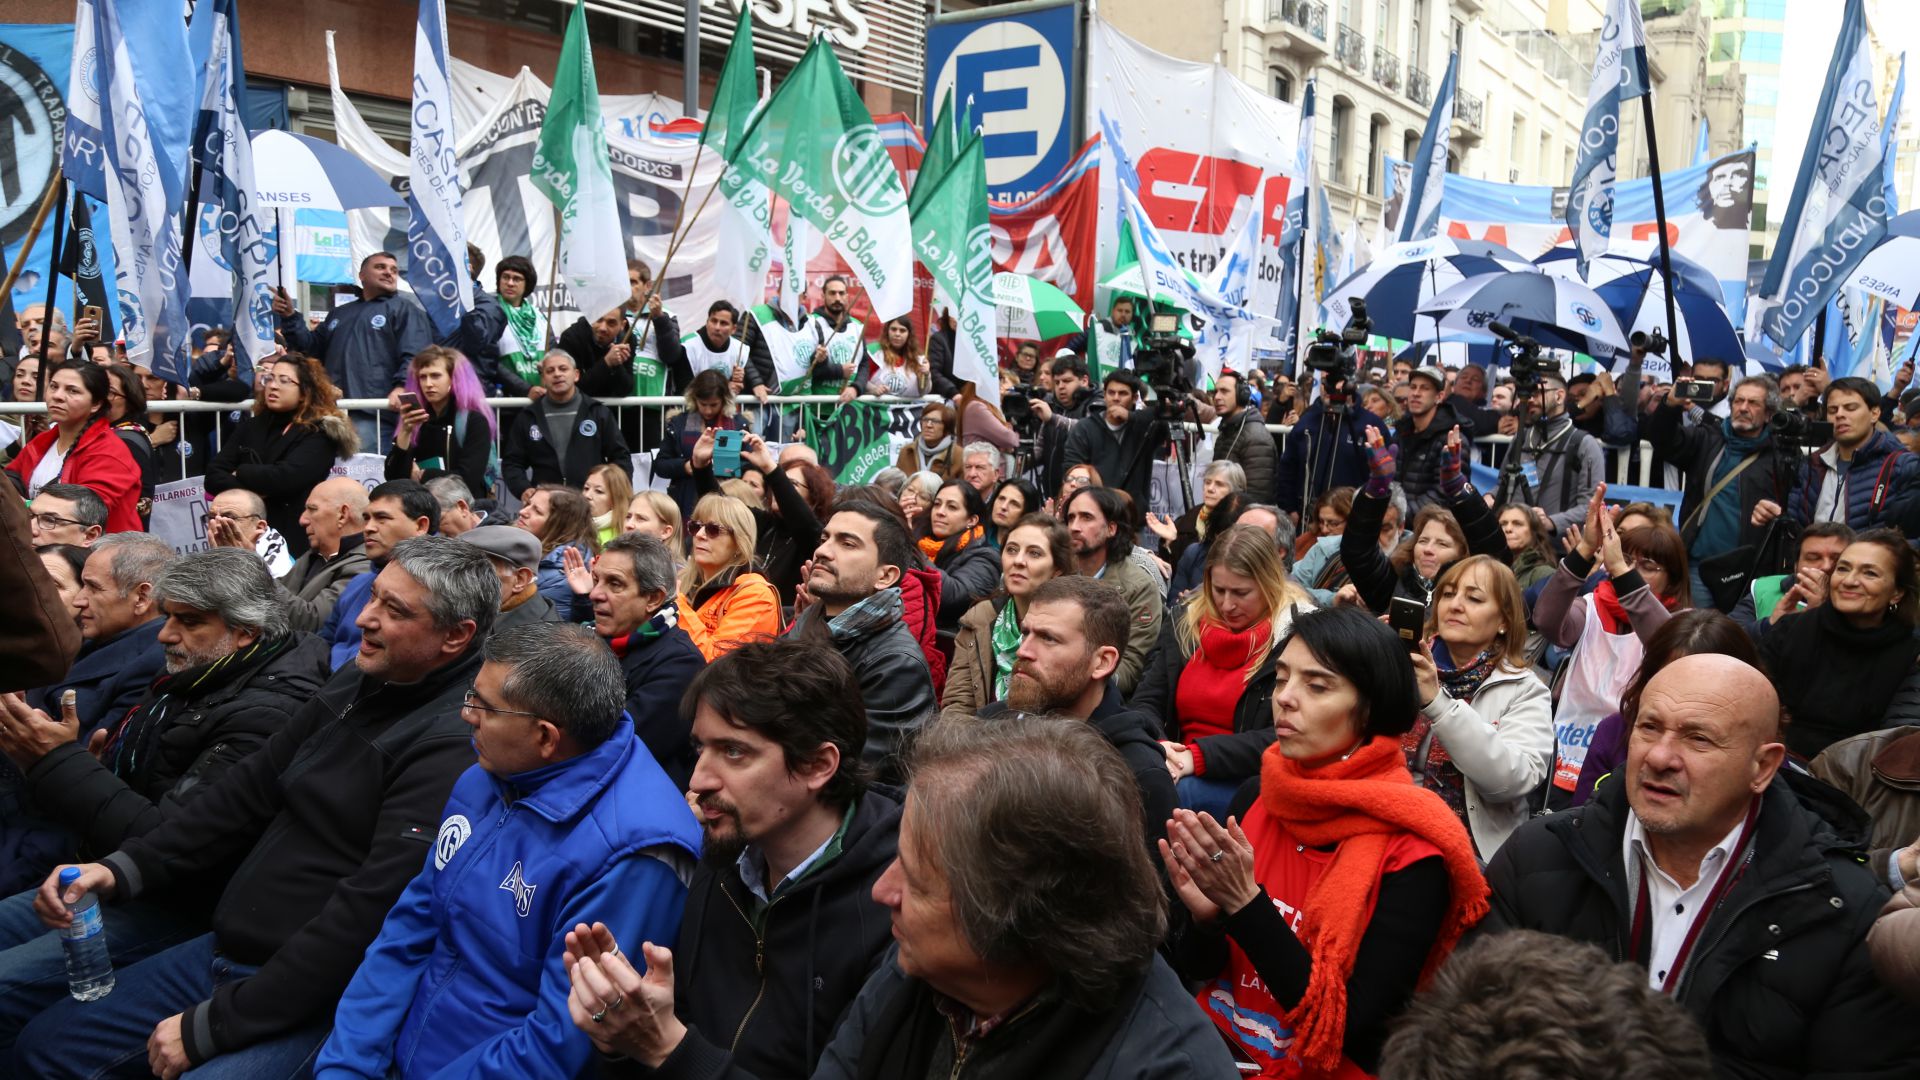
(466, 977)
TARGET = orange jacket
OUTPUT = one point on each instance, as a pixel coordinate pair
(745, 609)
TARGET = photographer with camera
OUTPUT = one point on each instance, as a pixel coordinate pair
(1120, 441)
(1729, 465)
(1053, 414)
(1325, 451)
(1562, 463)
(1863, 476)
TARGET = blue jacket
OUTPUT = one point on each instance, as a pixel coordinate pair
(1340, 460)
(1899, 504)
(366, 345)
(551, 578)
(466, 977)
(108, 677)
(342, 628)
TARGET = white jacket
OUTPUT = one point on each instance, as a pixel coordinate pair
(1502, 743)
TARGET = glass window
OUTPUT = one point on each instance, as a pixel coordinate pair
(1374, 133)
(1283, 86)
(1342, 132)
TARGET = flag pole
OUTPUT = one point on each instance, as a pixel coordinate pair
(1660, 222)
(660, 278)
(33, 232)
(553, 282)
(53, 283)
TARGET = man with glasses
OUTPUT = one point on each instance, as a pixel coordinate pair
(120, 624)
(237, 518)
(67, 514)
(566, 819)
(335, 815)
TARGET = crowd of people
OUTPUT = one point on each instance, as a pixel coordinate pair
(1356, 766)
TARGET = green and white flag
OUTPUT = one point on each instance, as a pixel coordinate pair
(571, 167)
(953, 241)
(816, 146)
(746, 223)
(854, 441)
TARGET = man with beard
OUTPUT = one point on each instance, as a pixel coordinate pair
(1729, 465)
(1723, 197)
(1070, 645)
(566, 817)
(714, 347)
(632, 351)
(1563, 463)
(234, 673)
(858, 608)
(1099, 521)
(636, 613)
(787, 818)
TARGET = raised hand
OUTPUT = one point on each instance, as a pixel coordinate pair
(1596, 513)
(579, 578)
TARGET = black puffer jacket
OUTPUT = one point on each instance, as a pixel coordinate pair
(1229, 758)
(281, 462)
(895, 684)
(1780, 981)
(1419, 457)
(1371, 570)
(1245, 441)
(773, 984)
(967, 576)
(187, 731)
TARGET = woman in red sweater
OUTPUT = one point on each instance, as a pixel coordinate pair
(1344, 885)
(80, 447)
(1210, 677)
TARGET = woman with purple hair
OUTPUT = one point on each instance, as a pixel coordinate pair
(446, 425)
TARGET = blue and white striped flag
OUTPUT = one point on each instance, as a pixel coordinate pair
(1839, 208)
(1287, 309)
(1619, 74)
(436, 229)
(1420, 218)
(244, 232)
(130, 146)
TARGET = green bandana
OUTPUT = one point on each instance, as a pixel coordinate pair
(1006, 641)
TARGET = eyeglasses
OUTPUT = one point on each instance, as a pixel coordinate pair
(709, 529)
(281, 380)
(1330, 524)
(472, 701)
(1648, 566)
(54, 521)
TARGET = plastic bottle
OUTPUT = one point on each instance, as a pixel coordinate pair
(89, 967)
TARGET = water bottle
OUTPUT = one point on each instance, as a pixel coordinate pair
(89, 967)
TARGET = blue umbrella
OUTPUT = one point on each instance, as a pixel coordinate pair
(1403, 276)
(1557, 313)
(1632, 285)
(301, 172)
(1453, 354)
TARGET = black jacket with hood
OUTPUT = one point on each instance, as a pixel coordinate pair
(1136, 734)
(1780, 980)
(769, 986)
(1418, 463)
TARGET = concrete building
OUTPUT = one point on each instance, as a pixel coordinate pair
(1747, 38)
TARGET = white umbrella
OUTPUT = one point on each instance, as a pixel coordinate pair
(299, 172)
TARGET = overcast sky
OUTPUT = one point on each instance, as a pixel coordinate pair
(1811, 27)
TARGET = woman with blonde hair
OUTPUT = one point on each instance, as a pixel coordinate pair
(718, 582)
(1209, 681)
(609, 493)
(916, 499)
(1484, 738)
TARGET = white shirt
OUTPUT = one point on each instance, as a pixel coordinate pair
(1674, 908)
(47, 471)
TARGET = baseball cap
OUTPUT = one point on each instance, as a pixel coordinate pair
(513, 545)
(1433, 374)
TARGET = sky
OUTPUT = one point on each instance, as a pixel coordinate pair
(1811, 27)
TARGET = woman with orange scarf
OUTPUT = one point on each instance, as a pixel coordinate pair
(1343, 885)
(956, 545)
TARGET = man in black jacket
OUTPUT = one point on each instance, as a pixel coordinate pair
(1731, 463)
(1325, 453)
(234, 673)
(1070, 645)
(1421, 435)
(1071, 400)
(855, 585)
(1737, 885)
(1243, 438)
(787, 818)
(335, 815)
(562, 436)
(1120, 440)
(631, 354)
(635, 611)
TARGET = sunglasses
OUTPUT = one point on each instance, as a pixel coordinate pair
(709, 529)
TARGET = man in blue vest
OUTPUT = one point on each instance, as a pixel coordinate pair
(566, 819)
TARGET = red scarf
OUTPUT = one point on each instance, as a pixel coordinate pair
(1613, 616)
(1359, 806)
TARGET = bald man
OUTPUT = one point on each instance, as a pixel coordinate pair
(335, 518)
(1733, 882)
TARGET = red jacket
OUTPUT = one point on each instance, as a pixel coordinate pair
(99, 461)
(920, 594)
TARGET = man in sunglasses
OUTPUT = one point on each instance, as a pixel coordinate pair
(67, 514)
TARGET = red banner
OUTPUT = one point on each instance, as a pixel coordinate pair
(1053, 235)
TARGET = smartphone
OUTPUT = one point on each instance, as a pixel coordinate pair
(1694, 390)
(726, 453)
(1407, 618)
(97, 313)
(410, 401)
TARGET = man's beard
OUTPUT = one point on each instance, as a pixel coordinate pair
(842, 591)
(1028, 693)
(180, 658)
(721, 848)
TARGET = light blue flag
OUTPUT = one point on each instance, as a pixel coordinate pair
(1421, 216)
(1619, 74)
(234, 230)
(132, 138)
(1839, 207)
(1327, 243)
(1287, 307)
(1700, 144)
(436, 228)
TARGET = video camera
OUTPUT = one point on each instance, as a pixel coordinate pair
(1164, 360)
(1016, 404)
(1654, 342)
(1335, 354)
(1523, 359)
(1799, 429)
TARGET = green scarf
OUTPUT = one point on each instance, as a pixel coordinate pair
(524, 321)
(1006, 641)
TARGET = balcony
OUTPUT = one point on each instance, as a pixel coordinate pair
(1351, 48)
(1386, 68)
(1469, 115)
(1419, 87)
(1303, 25)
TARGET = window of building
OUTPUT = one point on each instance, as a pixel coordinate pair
(1410, 146)
(1342, 138)
(1544, 161)
(1459, 35)
(1282, 85)
(1376, 137)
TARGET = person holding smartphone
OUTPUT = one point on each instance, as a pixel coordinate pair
(1443, 533)
(445, 423)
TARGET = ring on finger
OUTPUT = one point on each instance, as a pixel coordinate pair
(1217, 856)
(615, 1003)
(600, 1017)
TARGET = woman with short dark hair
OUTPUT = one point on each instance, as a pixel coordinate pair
(1316, 916)
(288, 445)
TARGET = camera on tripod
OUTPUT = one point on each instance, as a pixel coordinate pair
(1164, 360)
(1800, 429)
(1523, 358)
(1335, 352)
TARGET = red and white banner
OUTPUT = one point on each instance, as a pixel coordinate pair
(1054, 235)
